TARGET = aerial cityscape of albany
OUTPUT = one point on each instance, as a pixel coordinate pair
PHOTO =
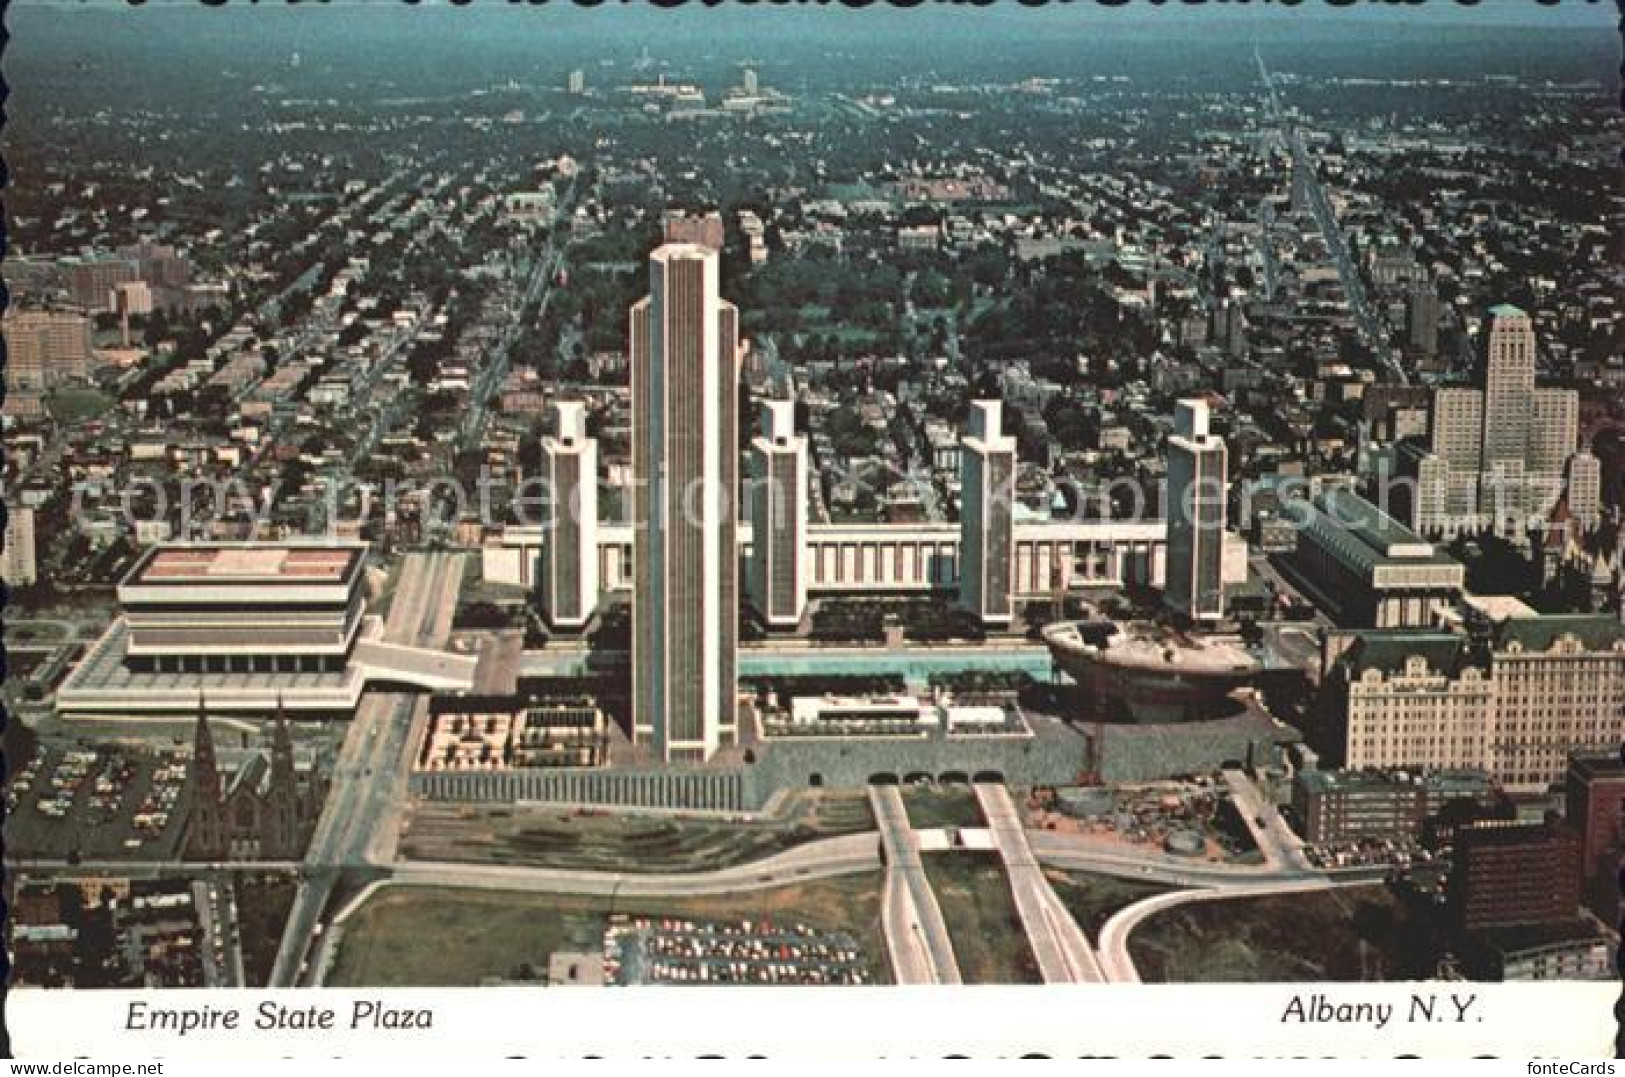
(572, 497)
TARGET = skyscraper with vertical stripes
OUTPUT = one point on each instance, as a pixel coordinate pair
(777, 579)
(685, 459)
(987, 466)
(1198, 478)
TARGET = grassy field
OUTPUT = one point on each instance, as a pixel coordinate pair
(1348, 934)
(70, 404)
(564, 838)
(931, 806)
(981, 915)
(449, 937)
(1091, 899)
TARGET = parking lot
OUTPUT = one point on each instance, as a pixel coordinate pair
(97, 802)
(1368, 853)
(648, 950)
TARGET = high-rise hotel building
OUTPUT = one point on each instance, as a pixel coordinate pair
(777, 572)
(685, 458)
(1198, 465)
(987, 466)
(569, 561)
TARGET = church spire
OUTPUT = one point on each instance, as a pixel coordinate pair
(206, 836)
(281, 822)
(205, 768)
(282, 775)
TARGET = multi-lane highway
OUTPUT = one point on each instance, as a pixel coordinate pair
(1062, 950)
(916, 935)
(360, 820)
(848, 854)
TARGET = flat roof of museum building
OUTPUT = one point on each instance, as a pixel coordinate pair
(246, 563)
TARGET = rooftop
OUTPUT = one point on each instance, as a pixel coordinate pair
(1389, 649)
(1148, 645)
(246, 563)
(1361, 535)
(1322, 781)
(1500, 607)
(1595, 631)
(1600, 766)
(1371, 525)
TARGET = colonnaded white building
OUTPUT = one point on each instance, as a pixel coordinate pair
(904, 558)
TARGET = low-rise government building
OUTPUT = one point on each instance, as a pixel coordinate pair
(1367, 570)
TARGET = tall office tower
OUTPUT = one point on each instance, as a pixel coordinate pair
(1198, 465)
(1423, 311)
(569, 565)
(1585, 489)
(18, 566)
(749, 82)
(578, 81)
(778, 573)
(1509, 386)
(685, 460)
(1509, 382)
(987, 488)
(1498, 452)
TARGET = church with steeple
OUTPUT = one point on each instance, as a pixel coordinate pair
(266, 811)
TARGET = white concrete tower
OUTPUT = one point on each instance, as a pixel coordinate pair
(1197, 489)
(987, 472)
(568, 579)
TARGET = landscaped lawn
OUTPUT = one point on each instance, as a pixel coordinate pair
(989, 941)
(931, 806)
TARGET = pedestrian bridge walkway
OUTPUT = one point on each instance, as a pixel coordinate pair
(421, 667)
